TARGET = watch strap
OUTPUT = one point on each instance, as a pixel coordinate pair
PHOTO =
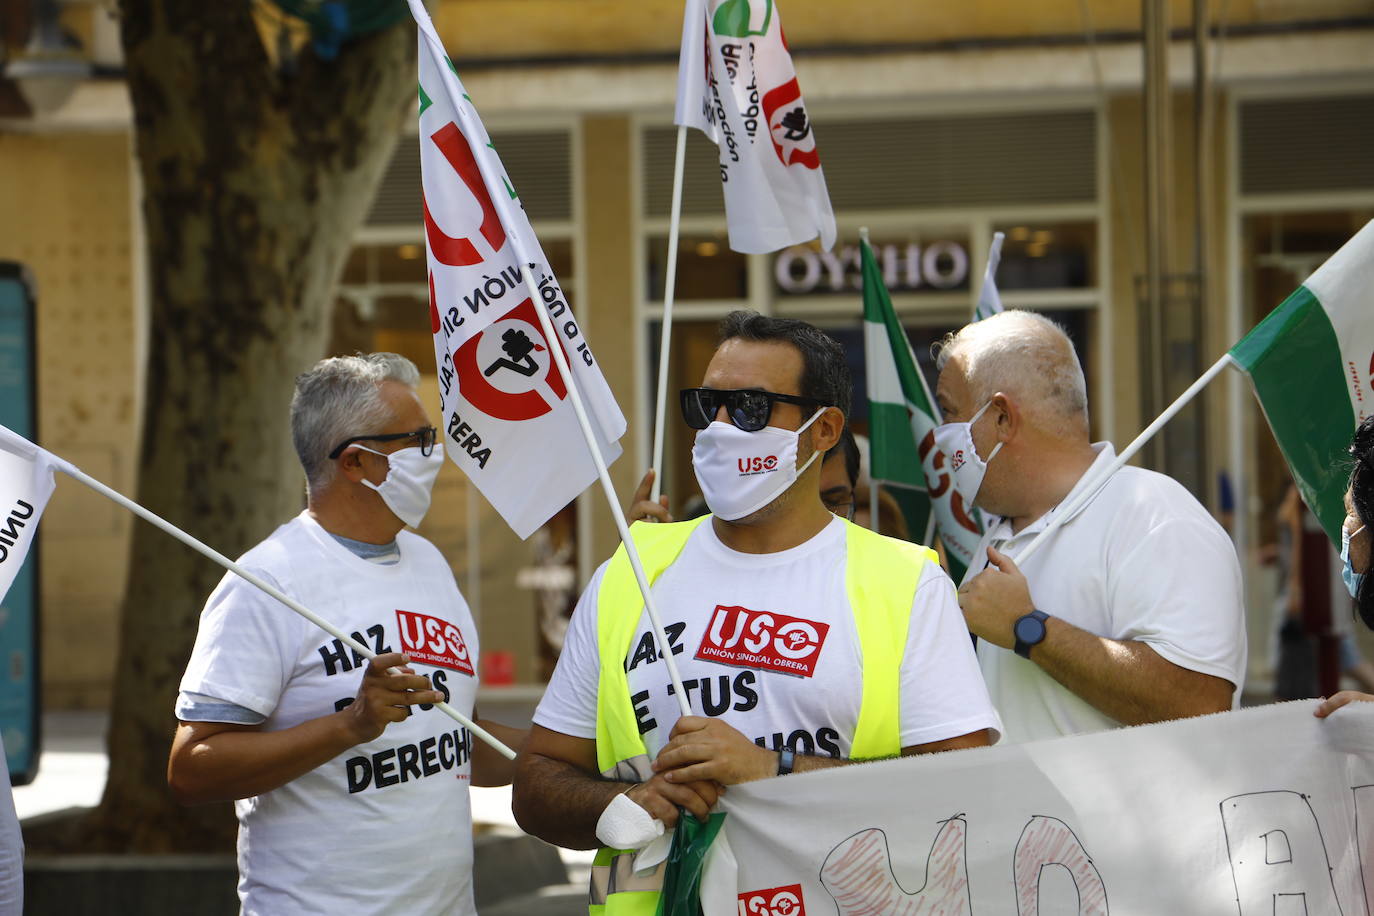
(1023, 647)
(786, 758)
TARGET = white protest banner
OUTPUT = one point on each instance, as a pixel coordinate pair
(737, 85)
(507, 420)
(1267, 810)
(26, 483)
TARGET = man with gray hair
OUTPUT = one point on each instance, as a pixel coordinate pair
(346, 802)
(1132, 613)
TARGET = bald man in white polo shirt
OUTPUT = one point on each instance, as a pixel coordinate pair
(1132, 613)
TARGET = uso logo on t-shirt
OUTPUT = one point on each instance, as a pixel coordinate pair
(433, 641)
(763, 639)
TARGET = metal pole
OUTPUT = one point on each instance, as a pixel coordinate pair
(1155, 22)
(1202, 142)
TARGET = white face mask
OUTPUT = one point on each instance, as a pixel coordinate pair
(409, 481)
(967, 469)
(742, 472)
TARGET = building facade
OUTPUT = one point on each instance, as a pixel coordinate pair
(937, 126)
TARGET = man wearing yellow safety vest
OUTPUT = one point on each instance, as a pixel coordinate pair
(803, 641)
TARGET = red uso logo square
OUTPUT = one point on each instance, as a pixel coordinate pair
(763, 639)
(434, 641)
(775, 901)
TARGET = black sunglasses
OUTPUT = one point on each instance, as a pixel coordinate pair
(748, 408)
(426, 435)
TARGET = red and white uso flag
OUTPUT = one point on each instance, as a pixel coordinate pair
(508, 421)
(26, 482)
(736, 84)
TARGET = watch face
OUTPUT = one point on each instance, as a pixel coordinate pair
(1029, 630)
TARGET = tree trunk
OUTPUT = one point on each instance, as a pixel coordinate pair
(255, 180)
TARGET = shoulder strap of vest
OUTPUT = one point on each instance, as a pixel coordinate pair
(618, 608)
(881, 576)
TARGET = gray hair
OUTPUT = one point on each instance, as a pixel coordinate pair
(1026, 354)
(338, 398)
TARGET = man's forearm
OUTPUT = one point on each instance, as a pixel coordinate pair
(1126, 679)
(560, 803)
(804, 763)
(234, 764)
(489, 766)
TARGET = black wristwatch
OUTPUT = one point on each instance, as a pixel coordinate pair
(786, 757)
(1029, 632)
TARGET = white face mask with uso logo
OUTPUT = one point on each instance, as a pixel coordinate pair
(742, 472)
(968, 469)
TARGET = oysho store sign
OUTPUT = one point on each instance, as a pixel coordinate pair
(937, 266)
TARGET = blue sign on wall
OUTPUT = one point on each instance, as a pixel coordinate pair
(19, 610)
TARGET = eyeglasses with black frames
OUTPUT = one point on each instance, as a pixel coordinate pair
(424, 436)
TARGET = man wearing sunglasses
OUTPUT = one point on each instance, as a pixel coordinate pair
(803, 641)
(346, 801)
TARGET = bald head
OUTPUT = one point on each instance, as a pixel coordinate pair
(1027, 357)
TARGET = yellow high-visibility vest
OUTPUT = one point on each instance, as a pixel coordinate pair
(881, 575)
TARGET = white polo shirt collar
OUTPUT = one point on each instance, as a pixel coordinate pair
(999, 528)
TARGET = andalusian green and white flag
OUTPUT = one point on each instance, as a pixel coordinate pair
(989, 301)
(1311, 362)
(902, 420)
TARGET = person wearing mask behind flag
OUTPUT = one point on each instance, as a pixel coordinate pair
(1357, 546)
(347, 802)
(1132, 613)
(856, 648)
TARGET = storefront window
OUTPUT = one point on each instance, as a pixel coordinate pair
(1038, 255)
(707, 268)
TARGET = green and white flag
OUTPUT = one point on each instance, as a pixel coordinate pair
(989, 301)
(1311, 362)
(902, 420)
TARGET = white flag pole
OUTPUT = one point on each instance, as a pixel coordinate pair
(473, 511)
(158, 521)
(503, 207)
(669, 290)
(631, 552)
(1066, 511)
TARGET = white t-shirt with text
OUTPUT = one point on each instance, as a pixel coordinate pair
(767, 643)
(385, 827)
